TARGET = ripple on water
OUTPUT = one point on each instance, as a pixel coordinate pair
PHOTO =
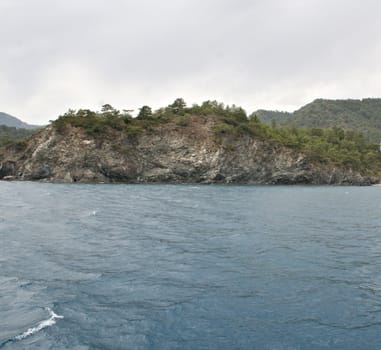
(190, 267)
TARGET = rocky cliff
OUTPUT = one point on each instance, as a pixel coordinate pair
(170, 152)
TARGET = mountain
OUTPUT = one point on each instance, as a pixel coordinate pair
(8, 120)
(270, 117)
(201, 144)
(360, 115)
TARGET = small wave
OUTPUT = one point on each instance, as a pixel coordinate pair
(43, 324)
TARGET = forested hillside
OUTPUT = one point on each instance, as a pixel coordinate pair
(360, 115)
(10, 135)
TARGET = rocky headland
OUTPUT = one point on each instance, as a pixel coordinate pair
(180, 149)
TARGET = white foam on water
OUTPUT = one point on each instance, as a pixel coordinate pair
(43, 324)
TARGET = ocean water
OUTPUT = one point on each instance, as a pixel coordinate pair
(189, 267)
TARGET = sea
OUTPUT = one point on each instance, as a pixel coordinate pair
(96, 266)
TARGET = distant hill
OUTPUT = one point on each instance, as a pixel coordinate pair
(8, 120)
(360, 115)
(268, 117)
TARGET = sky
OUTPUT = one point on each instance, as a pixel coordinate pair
(259, 54)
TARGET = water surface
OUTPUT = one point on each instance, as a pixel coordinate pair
(189, 267)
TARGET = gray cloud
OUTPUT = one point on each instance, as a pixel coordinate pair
(260, 54)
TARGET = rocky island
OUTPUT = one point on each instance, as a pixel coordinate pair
(208, 143)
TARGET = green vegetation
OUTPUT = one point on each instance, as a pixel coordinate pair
(96, 123)
(145, 113)
(341, 147)
(360, 115)
(10, 135)
(270, 117)
(100, 123)
(337, 146)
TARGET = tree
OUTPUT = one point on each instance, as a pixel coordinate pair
(85, 113)
(145, 113)
(108, 110)
(238, 113)
(178, 106)
(254, 119)
(212, 107)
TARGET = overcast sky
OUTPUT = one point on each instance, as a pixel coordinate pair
(272, 54)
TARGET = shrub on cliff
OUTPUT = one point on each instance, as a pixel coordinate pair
(145, 113)
(94, 123)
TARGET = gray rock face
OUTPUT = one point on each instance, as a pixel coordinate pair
(170, 153)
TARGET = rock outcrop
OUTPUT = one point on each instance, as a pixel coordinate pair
(169, 153)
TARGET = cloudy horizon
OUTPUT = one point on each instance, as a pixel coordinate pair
(257, 54)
